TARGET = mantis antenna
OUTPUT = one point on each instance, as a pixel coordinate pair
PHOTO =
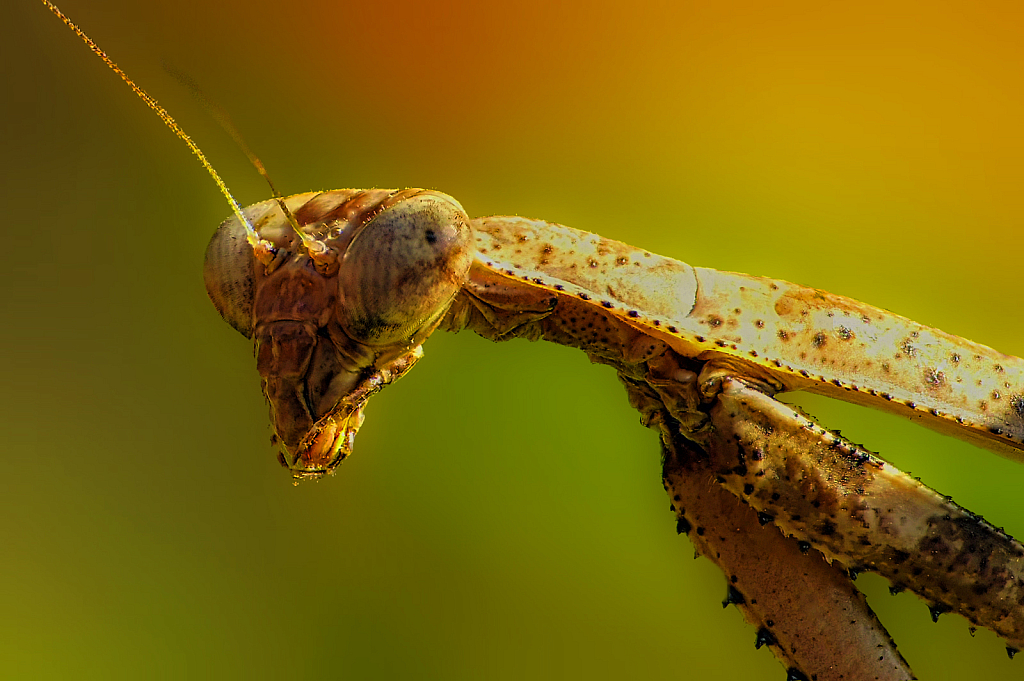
(318, 251)
(263, 250)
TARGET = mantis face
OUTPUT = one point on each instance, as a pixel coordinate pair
(341, 309)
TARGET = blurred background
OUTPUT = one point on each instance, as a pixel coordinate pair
(870, 149)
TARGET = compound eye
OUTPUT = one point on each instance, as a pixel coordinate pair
(402, 271)
(228, 272)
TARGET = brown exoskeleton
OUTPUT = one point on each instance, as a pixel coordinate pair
(701, 353)
(328, 332)
(340, 290)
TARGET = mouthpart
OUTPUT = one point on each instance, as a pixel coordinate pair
(329, 440)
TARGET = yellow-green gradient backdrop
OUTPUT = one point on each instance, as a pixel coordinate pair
(502, 516)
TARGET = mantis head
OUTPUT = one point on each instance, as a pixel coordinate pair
(338, 289)
(339, 292)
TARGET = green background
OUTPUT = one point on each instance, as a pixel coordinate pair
(502, 516)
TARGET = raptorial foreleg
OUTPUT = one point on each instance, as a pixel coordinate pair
(864, 513)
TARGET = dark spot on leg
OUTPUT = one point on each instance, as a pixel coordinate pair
(1017, 404)
(764, 638)
(733, 597)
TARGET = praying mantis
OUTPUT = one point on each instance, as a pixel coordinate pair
(761, 268)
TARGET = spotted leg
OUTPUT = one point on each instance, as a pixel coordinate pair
(806, 611)
(861, 512)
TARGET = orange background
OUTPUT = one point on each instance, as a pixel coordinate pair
(502, 516)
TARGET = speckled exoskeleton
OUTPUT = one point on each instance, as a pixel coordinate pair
(340, 289)
(342, 311)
